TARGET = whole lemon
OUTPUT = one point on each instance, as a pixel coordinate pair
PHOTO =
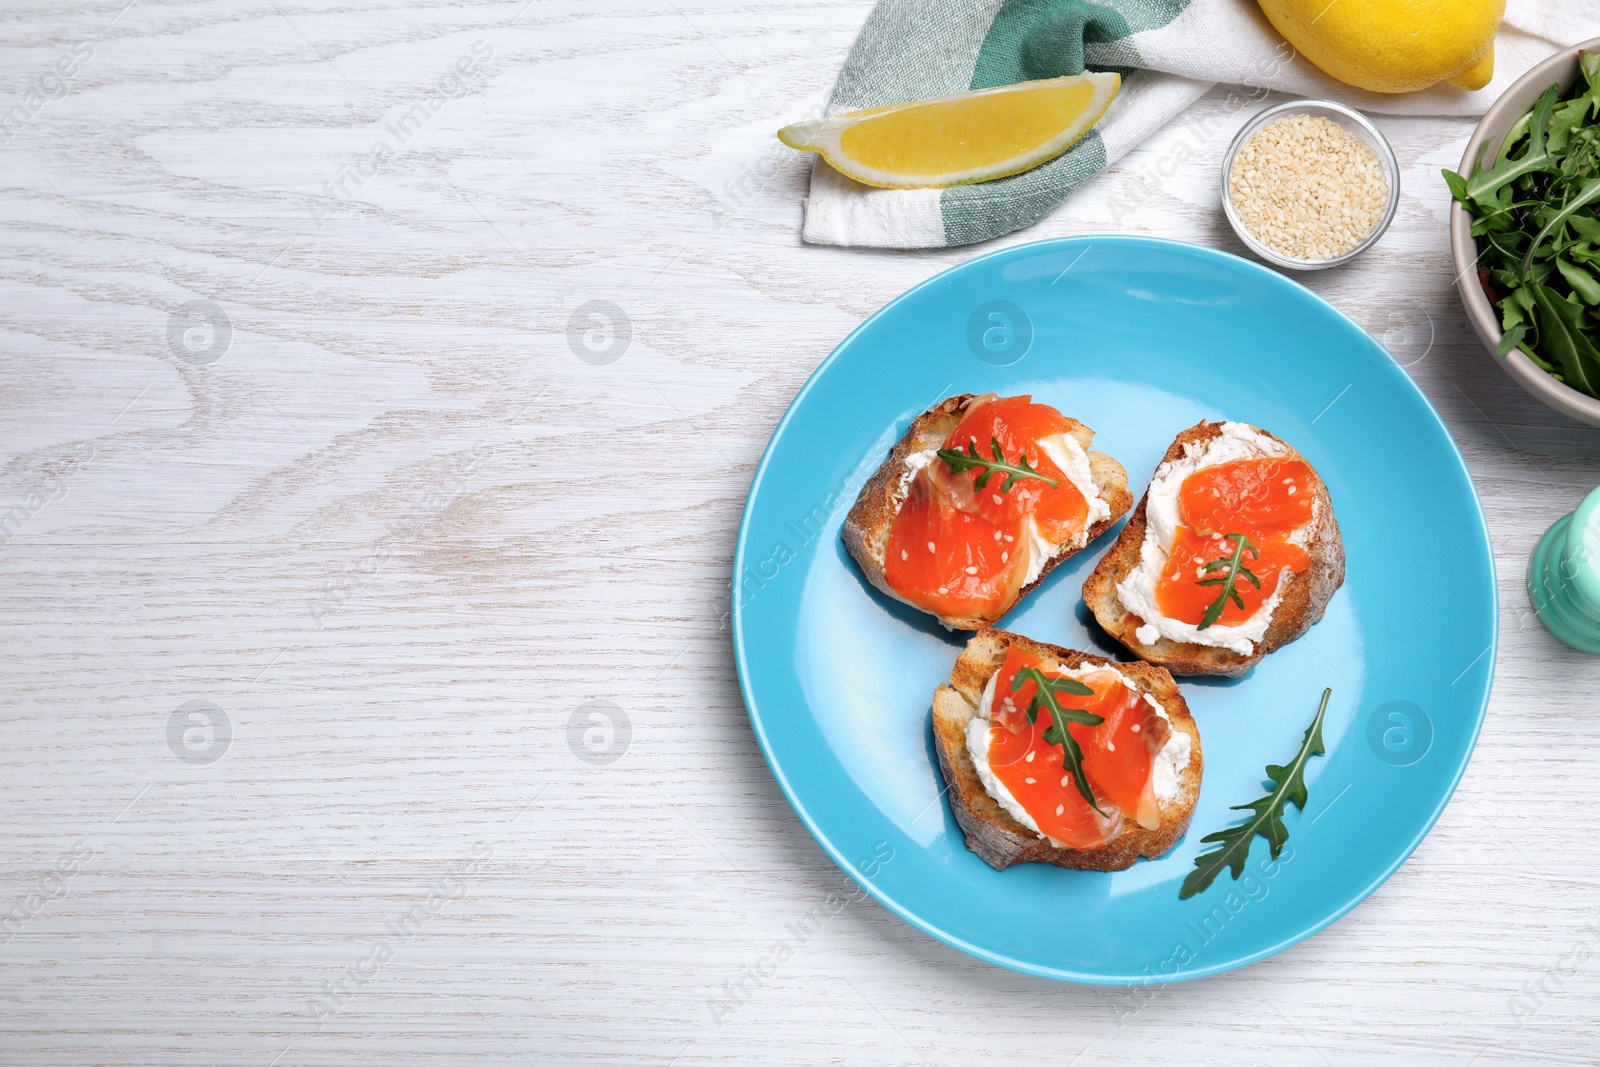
(1393, 46)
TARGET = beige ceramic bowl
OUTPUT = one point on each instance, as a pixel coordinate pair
(1515, 103)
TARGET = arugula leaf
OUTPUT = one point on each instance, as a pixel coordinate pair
(1511, 338)
(1047, 697)
(1267, 821)
(1583, 283)
(1517, 132)
(1536, 158)
(960, 461)
(1561, 337)
(1587, 193)
(1236, 569)
(1567, 120)
(1588, 227)
(1523, 298)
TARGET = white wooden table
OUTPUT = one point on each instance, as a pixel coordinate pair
(370, 508)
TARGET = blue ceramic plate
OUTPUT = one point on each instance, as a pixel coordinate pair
(1138, 338)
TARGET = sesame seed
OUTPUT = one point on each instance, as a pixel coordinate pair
(1030, 781)
(1293, 490)
(996, 498)
(1005, 557)
(1135, 727)
(1288, 481)
(1010, 538)
(1308, 187)
(1029, 757)
(1060, 808)
(943, 590)
(972, 570)
(1111, 746)
(904, 554)
(1066, 780)
(931, 548)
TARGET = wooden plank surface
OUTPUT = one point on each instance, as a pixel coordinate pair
(398, 539)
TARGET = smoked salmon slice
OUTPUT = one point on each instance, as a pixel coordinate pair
(960, 544)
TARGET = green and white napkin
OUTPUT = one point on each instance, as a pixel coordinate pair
(1169, 52)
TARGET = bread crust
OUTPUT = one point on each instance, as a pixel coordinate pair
(1305, 595)
(991, 832)
(866, 527)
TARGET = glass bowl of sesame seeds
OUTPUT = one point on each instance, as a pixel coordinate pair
(1310, 184)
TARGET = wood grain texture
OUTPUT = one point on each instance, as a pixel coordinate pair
(398, 534)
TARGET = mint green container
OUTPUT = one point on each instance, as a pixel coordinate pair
(1564, 577)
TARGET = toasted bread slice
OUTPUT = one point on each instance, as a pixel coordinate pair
(1305, 595)
(866, 528)
(997, 838)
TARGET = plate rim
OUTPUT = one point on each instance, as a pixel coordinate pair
(1058, 974)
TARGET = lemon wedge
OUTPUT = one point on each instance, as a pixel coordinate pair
(957, 140)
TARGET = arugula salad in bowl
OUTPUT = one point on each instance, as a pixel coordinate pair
(1532, 204)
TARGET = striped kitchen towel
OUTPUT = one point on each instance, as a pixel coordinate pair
(1169, 52)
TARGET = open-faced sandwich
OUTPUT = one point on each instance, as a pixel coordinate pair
(1121, 783)
(1232, 553)
(976, 504)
